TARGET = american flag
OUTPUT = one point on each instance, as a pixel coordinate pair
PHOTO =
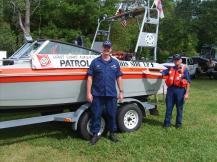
(123, 22)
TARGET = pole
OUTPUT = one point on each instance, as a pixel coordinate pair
(94, 39)
(148, 9)
(153, 5)
(141, 29)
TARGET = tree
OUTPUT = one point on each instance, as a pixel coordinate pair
(206, 23)
(1, 11)
(186, 26)
(18, 8)
(7, 38)
(23, 12)
(177, 34)
(65, 20)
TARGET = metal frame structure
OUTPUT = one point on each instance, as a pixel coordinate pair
(145, 38)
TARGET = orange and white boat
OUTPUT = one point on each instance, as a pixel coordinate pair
(50, 73)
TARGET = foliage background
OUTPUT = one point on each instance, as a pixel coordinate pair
(186, 27)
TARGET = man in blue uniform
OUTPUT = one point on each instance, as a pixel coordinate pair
(103, 74)
(178, 83)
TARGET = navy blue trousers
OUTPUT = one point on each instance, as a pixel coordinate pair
(97, 107)
(175, 96)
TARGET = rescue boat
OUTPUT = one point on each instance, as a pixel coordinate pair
(52, 73)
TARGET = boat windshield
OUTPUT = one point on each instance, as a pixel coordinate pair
(65, 49)
(50, 47)
(26, 50)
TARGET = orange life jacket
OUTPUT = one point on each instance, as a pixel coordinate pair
(175, 77)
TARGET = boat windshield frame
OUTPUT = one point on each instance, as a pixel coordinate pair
(25, 51)
(91, 51)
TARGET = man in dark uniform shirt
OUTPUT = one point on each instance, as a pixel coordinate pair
(103, 74)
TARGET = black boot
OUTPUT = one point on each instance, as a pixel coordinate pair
(178, 126)
(113, 137)
(94, 139)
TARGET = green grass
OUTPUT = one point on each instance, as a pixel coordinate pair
(196, 141)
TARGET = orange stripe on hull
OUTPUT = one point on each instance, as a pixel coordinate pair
(29, 70)
(129, 76)
(59, 77)
(64, 78)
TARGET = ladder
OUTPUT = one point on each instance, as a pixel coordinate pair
(145, 38)
(97, 45)
(148, 39)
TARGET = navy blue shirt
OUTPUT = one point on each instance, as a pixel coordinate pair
(105, 74)
(186, 74)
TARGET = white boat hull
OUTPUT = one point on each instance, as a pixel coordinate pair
(36, 94)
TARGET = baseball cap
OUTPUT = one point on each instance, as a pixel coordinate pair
(107, 43)
(177, 57)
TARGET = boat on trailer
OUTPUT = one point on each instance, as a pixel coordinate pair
(48, 73)
(51, 73)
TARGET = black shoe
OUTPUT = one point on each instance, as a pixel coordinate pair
(94, 139)
(113, 137)
(178, 126)
(166, 126)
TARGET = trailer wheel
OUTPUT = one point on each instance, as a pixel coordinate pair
(129, 118)
(84, 126)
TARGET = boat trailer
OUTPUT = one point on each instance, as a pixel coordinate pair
(129, 118)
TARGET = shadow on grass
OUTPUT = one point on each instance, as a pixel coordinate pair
(153, 122)
(26, 133)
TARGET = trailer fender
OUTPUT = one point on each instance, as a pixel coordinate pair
(133, 100)
(78, 114)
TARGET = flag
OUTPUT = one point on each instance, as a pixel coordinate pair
(120, 12)
(123, 22)
(159, 6)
